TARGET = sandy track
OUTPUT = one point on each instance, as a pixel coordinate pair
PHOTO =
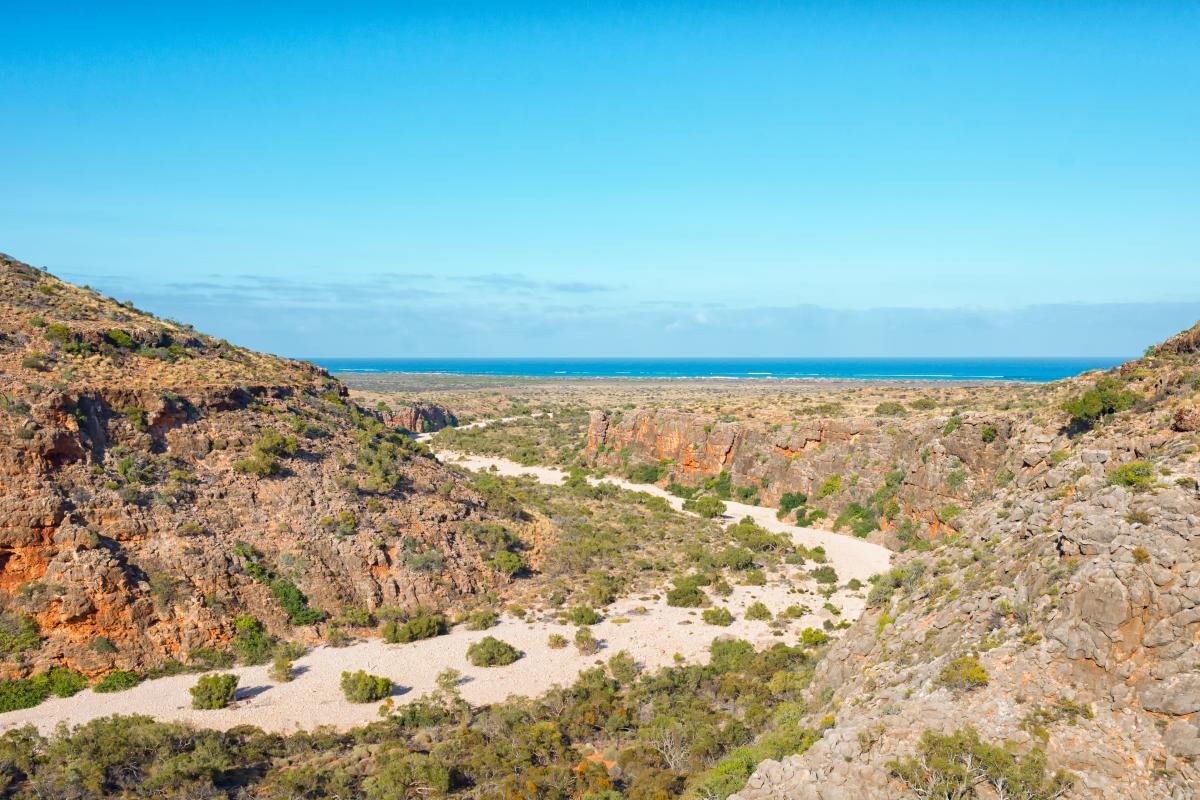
(652, 632)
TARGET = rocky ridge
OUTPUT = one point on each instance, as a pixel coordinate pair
(156, 482)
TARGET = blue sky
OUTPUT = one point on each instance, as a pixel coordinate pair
(601, 179)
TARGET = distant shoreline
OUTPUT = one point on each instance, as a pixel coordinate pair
(852, 371)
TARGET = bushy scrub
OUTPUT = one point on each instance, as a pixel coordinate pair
(481, 619)
(960, 763)
(1107, 397)
(421, 626)
(964, 672)
(758, 611)
(251, 643)
(491, 652)
(687, 593)
(583, 615)
(706, 506)
(508, 563)
(117, 681)
(586, 642)
(213, 691)
(18, 633)
(826, 575)
(361, 687)
(718, 616)
(556, 641)
(1136, 475)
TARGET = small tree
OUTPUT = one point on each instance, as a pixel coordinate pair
(214, 691)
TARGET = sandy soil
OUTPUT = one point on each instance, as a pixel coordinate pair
(652, 632)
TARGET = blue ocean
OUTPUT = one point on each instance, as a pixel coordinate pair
(934, 369)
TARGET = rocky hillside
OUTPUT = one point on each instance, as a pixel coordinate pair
(1059, 628)
(156, 482)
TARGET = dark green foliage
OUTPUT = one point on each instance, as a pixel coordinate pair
(687, 593)
(213, 691)
(861, 519)
(29, 692)
(645, 473)
(583, 615)
(707, 506)
(507, 562)
(491, 652)
(250, 641)
(360, 687)
(721, 486)
(420, 626)
(736, 558)
(117, 681)
(294, 603)
(825, 574)
(955, 765)
(989, 433)
(1107, 397)
(265, 454)
(758, 611)
(481, 619)
(119, 338)
(952, 424)
(789, 501)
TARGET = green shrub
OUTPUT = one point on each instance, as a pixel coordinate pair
(507, 563)
(923, 404)
(251, 643)
(687, 593)
(359, 687)
(1136, 475)
(754, 577)
(213, 691)
(989, 433)
(18, 633)
(890, 409)
(281, 667)
(557, 641)
(811, 637)
(421, 626)
(952, 424)
(831, 486)
(400, 775)
(825, 574)
(645, 473)
(119, 338)
(63, 682)
(736, 558)
(758, 611)
(21, 693)
(789, 501)
(1105, 398)
(586, 642)
(706, 506)
(491, 652)
(294, 603)
(583, 615)
(481, 619)
(117, 681)
(718, 616)
(964, 672)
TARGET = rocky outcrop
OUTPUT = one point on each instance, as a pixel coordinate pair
(155, 485)
(931, 467)
(417, 417)
(1076, 586)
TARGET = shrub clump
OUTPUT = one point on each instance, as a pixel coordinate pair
(491, 652)
(360, 687)
(758, 611)
(213, 691)
(586, 642)
(718, 616)
(421, 626)
(117, 681)
(687, 593)
(1105, 398)
(1136, 475)
(964, 672)
(583, 615)
(706, 506)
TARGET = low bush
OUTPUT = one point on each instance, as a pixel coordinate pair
(706, 506)
(508, 563)
(21, 693)
(890, 408)
(586, 642)
(583, 615)
(557, 641)
(718, 616)
(213, 691)
(421, 626)
(1107, 397)
(481, 619)
(758, 611)
(491, 652)
(687, 593)
(117, 681)
(251, 643)
(360, 687)
(964, 672)
(826, 574)
(1136, 475)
